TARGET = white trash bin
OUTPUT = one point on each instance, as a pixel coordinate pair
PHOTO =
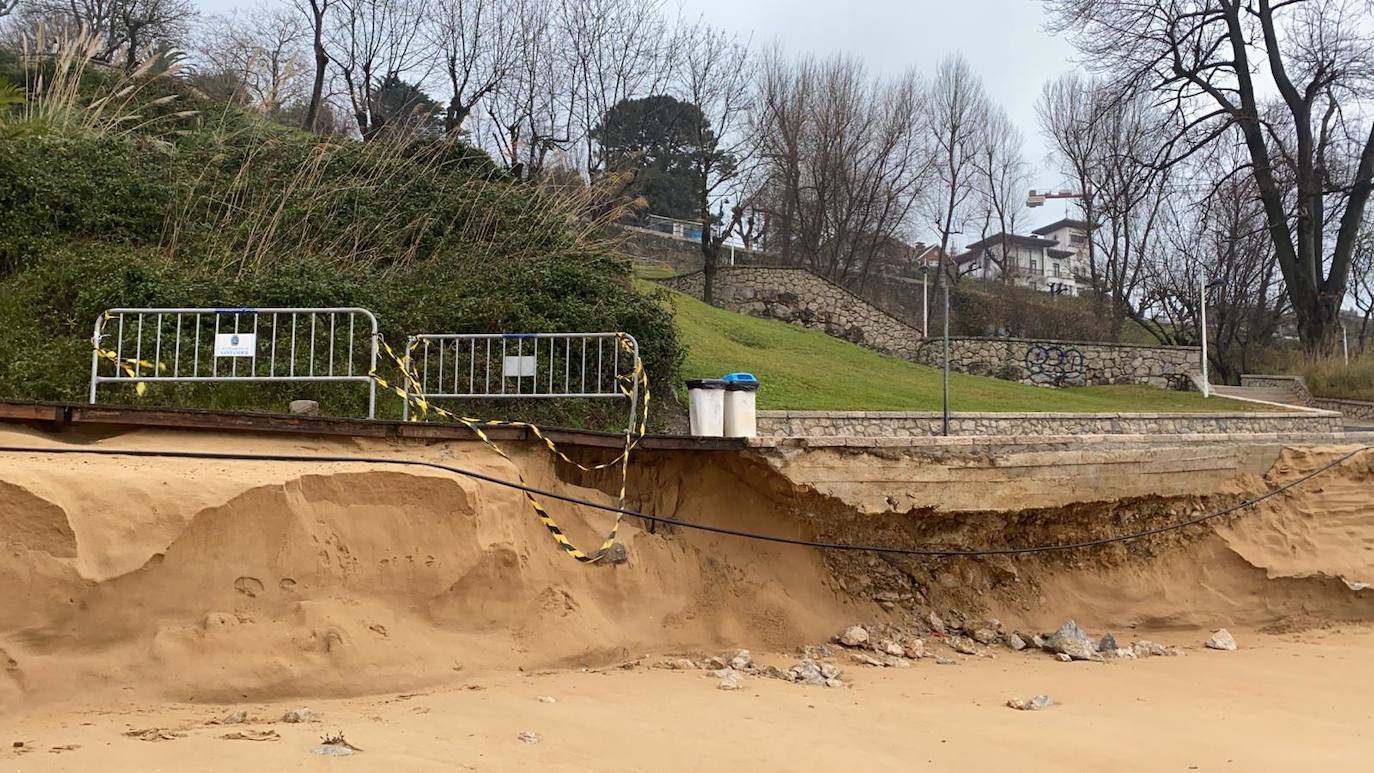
(741, 416)
(706, 407)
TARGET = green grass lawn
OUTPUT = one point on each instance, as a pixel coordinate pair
(804, 369)
(652, 271)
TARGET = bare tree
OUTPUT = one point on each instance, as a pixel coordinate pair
(1362, 286)
(7, 7)
(132, 28)
(1213, 229)
(614, 50)
(956, 107)
(261, 54)
(1068, 110)
(841, 163)
(1310, 152)
(1001, 179)
(476, 39)
(783, 122)
(315, 12)
(715, 76)
(1130, 193)
(371, 42)
(525, 117)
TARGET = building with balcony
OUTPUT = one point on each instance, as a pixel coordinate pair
(1053, 259)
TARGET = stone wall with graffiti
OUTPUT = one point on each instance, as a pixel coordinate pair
(1065, 363)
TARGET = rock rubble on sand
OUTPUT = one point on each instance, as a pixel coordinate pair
(963, 645)
(1034, 704)
(335, 750)
(865, 659)
(1222, 640)
(807, 672)
(741, 660)
(817, 674)
(1072, 641)
(885, 645)
(298, 715)
(733, 680)
(677, 664)
(1146, 648)
(853, 636)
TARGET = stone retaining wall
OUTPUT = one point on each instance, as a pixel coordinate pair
(1354, 409)
(799, 297)
(889, 424)
(682, 255)
(1065, 363)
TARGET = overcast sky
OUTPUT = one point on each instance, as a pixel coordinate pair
(1004, 40)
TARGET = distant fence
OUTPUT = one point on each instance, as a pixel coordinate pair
(193, 345)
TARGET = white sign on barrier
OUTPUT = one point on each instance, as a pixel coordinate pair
(235, 344)
(518, 367)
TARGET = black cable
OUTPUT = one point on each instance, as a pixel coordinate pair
(687, 524)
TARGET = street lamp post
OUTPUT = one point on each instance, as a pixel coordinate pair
(1202, 295)
(944, 423)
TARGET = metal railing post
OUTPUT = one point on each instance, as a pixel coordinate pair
(95, 356)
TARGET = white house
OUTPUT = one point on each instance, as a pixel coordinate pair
(1053, 259)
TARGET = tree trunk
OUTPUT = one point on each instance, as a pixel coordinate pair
(708, 284)
(710, 255)
(457, 113)
(1319, 325)
(312, 112)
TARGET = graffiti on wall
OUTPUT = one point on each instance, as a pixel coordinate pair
(1056, 365)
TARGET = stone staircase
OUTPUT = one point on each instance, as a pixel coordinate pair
(1285, 395)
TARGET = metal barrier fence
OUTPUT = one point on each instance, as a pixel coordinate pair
(524, 365)
(236, 344)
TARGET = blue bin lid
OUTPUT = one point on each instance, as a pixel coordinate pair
(740, 382)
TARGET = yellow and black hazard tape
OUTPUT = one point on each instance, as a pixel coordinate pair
(632, 437)
(131, 366)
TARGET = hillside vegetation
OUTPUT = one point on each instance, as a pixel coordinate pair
(133, 190)
(804, 369)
